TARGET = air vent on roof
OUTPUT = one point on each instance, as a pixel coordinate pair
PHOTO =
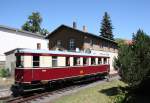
(74, 25)
(84, 28)
(77, 50)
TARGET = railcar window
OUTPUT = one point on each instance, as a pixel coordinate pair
(99, 60)
(67, 61)
(85, 61)
(19, 61)
(54, 61)
(76, 61)
(105, 60)
(93, 62)
(36, 61)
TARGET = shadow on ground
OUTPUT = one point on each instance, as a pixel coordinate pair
(138, 97)
(110, 91)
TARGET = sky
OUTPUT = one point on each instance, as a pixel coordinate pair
(127, 16)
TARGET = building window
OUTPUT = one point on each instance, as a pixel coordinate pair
(109, 46)
(19, 61)
(54, 61)
(101, 45)
(59, 43)
(72, 44)
(38, 45)
(36, 61)
(113, 47)
(91, 42)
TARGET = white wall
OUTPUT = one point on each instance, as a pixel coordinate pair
(10, 40)
(11, 62)
(2, 57)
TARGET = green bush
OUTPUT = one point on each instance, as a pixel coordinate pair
(119, 98)
(133, 60)
(121, 95)
(4, 72)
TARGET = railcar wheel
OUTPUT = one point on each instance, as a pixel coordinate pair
(48, 86)
(17, 90)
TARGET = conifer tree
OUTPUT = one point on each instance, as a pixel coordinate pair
(106, 27)
(133, 60)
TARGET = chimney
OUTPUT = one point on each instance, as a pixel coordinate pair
(38, 46)
(84, 28)
(74, 25)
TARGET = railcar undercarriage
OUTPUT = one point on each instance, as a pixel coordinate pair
(22, 88)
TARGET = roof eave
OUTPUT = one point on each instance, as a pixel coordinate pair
(87, 33)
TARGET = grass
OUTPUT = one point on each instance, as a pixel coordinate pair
(101, 93)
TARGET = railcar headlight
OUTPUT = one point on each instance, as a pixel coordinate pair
(21, 78)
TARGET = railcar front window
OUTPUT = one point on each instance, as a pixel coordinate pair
(36, 61)
(54, 61)
(19, 61)
(105, 60)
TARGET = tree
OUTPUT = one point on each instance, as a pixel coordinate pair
(133, 60)
(44, 32)
(106, 28)
(33, 24)
(26, 26)
(120, 41)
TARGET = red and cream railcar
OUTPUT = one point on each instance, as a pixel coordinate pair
(36, 66)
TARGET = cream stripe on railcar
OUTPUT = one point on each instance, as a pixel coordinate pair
(71, 61)
(27, 61)
(45, 61)
(61, 61)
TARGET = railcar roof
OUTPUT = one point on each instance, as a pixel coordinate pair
(58, 52)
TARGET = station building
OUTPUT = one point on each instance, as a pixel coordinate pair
(73, 39)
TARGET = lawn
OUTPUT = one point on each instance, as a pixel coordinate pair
(101, 93)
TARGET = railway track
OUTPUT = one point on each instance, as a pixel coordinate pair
(36, 97)
(5, 93)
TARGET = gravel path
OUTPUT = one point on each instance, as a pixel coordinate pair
(5, 93)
